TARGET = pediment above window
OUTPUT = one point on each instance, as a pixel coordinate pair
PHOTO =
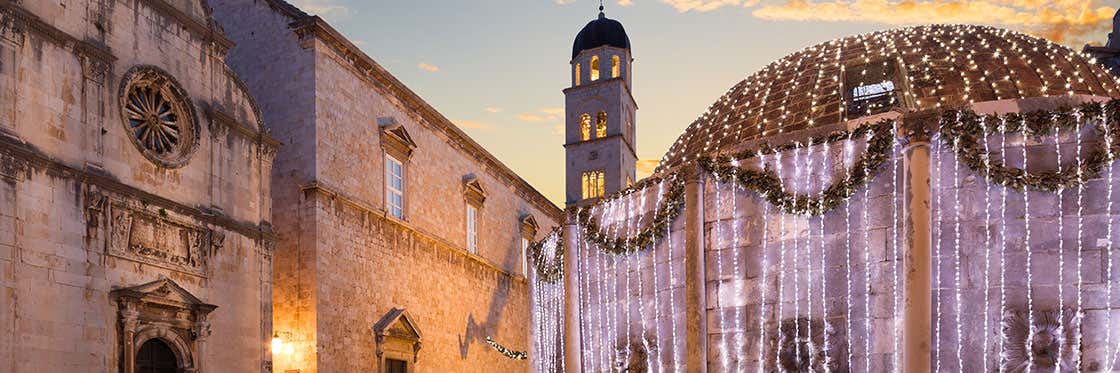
(395, 139)
(473, 190)
(529, 226)
(166, 293)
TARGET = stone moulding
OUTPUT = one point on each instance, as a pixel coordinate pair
(160, 239)
(19, 159)
(305, 26)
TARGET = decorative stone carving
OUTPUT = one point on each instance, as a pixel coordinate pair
(473, 190)
(395, 139)
(397, 336)
(158, 116)
(918, 127)
(160, 239)
(1038, 347)
(162, 309)
(95, 206)
(94, 68)
(11, 29)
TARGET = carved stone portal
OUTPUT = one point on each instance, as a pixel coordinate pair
(162, 310)
(397, 338)
(1051, 338)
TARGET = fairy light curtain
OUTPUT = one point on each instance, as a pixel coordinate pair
(804, 240)
(547, 303)
(1023, 225)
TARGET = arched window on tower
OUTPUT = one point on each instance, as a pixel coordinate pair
(577, 74)
(585, 127)
(594, 68)
(614, 67)
(601, 125)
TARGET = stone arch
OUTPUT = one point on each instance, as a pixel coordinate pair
(184, 356)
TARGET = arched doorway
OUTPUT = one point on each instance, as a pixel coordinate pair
(155, 356)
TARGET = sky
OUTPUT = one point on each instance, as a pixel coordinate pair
(496, 68)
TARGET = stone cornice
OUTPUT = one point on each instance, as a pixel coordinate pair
(260, 137)
(606, 81)
(35, 158)
(207, 30)
(318, 188)
(32, 22)
(367, 68)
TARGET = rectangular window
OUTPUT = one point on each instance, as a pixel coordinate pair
(593, 184)
(394, 187)
(472, 229)
(525, 256)
(870, 88)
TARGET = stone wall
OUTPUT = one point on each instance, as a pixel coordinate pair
(84, 213)
(343, 263)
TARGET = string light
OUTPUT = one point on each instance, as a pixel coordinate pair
(1108, 240)
(937, 258)
(1061, 251)
(781, 263)
(894, 252)
(848, 257)
(1027, 247)
(987, 243)
(737, 275)
(1080, 232)
(762, 280)
(957, 257)
(724, 354)
(1002, 245)
(867, 270)
(824, 276)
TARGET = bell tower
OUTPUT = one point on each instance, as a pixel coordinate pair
(600, 154)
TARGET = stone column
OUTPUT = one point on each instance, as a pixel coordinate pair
(915, 132)
(129, 324)
(695, 298)
(572, 337)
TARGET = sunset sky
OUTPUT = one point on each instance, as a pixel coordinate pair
(496, 67)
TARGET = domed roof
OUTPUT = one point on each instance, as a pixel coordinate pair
(930, 66)
(599, 32)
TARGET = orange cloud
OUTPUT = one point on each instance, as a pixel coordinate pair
(474, 125)
(428, 67)
(645, 167)
(1062, 21)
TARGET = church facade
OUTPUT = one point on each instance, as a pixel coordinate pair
(134, 193)
(401, 240)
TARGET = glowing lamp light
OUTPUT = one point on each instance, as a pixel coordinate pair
(277, 344)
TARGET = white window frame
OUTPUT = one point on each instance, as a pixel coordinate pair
(394, 210)
(472, 229)
(525, 256)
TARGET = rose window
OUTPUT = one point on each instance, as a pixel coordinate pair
(157, 117)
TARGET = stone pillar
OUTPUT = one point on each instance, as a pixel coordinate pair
(915, 132)
(695, 298)
(130, 322)
(572, 337)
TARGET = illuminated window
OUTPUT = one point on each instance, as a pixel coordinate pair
(472, 229)
(394, 187)
(870, 88)
(593, 184)
(614, 67)
(577, 74)
(594, 68)
(585, 127)
(601, 125)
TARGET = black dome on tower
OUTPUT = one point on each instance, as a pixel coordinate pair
(600, 32)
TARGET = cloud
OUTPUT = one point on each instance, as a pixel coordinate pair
(553, 110)
(1063, 21)
(707, 5)
(493, 109)
(324, 8)
(645, 167)
(564, 2)
(530, 117)
(428, 67)
(474, 125)
(625, 2)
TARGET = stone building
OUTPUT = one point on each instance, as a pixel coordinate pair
(134, 193)
(599, 133)
(932, 198)
(401, 239)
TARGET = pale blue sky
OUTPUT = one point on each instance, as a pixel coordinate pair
(497, 67)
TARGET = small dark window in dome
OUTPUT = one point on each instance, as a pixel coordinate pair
(870, 88)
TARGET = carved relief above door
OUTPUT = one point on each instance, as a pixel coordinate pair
(161, 238)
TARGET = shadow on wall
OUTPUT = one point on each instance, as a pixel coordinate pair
(475, 332)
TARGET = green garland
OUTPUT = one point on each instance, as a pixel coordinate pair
(965, 129)
(769, 185)
(515, 355)
(666, 211)
(547, 271)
